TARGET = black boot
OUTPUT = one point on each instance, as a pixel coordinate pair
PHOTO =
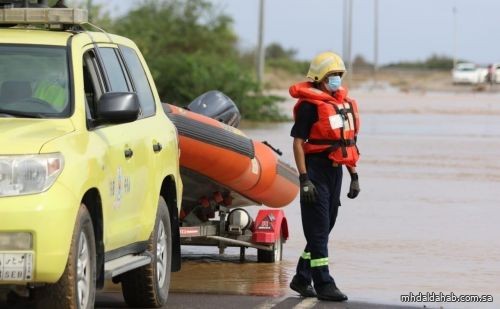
(330, 292)
(305, 290)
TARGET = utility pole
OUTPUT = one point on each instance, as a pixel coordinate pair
(89, 9)
(345, 26)
(347, 42)
(454, 36)
(260, 45)
(375, 43)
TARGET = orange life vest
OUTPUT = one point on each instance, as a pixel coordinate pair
(338, 123)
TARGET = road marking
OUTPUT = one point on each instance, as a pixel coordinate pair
(307, 303)
(271, 303)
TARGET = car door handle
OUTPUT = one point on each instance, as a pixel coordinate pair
(128, 153)
(157, 147)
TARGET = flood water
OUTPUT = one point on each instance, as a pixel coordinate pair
(427, 218)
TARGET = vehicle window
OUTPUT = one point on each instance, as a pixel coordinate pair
(92, 82)
(116, 77)
(90, 96)
(34, 81)
(140, 80)
(465, 67)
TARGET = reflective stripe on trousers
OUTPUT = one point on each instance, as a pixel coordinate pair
(319, 262)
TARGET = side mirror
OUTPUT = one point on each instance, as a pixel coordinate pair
(118, 107)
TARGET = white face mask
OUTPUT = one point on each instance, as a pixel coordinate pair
(333, 83)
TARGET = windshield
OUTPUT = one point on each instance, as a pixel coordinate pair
(34, 81)
(466, 67)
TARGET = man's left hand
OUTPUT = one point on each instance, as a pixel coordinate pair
(354, 187)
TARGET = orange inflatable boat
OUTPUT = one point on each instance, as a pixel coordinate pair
(218, 158)
(222, 170)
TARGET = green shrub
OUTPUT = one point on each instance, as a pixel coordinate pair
(190, 49)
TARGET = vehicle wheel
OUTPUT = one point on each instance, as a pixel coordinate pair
(276, 255)
(77, 286)
(148, 285)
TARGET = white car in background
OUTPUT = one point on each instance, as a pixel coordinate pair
(468, 73)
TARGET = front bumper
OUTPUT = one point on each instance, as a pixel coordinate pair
(50, 218)
(465, 79)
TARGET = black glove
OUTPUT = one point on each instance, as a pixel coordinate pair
(354, 187)
(307, 190)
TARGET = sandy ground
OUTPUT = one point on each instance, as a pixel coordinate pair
(383, 98)
(418, 81)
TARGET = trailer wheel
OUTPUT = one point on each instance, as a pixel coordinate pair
(148, 285)
(77, 286)
(273, 256)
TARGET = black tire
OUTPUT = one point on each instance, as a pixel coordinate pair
(144, 286)
(75, 290)
(274, 256)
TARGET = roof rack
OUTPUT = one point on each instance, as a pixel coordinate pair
(23, 4)
(46, 16)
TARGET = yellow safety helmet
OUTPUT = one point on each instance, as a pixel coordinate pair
(324, 64)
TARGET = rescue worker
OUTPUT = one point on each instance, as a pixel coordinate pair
(52, 93)
(325, 133)
(490, 74)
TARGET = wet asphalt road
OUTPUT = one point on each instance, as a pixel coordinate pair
(112, 300)
(207, 301)
(213, 281)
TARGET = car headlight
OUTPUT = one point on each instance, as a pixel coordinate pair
(29, 174)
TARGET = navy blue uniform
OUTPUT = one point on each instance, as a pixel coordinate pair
(319, 218)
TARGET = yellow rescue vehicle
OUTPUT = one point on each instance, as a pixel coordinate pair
(89, 163)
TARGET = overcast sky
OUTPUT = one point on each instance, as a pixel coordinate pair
(408, 29)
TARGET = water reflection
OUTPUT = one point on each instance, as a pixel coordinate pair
(227, 275)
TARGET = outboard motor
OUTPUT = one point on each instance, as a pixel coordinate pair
(216, 105)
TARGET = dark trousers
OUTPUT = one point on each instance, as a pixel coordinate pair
(318, 219)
